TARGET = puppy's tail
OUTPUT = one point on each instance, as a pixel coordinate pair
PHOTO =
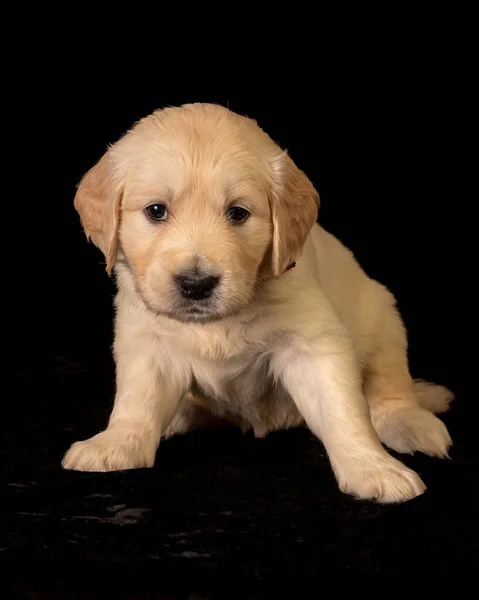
(433, 397)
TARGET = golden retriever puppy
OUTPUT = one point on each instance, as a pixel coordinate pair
(234, 304)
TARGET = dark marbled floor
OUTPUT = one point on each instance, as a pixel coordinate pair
(221, 515)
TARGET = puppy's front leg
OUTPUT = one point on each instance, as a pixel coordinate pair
(322, 377)
(148, 394)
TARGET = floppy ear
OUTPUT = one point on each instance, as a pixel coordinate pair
(97, 201)
(294, 209)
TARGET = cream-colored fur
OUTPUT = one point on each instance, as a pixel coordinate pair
(320, 345)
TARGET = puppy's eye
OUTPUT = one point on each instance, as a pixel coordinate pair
(237, 214)
(156, 212)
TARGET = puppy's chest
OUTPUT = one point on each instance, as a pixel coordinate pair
(231, 369)
(233, 384)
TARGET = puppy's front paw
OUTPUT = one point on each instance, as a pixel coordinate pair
(382, 479)
(413, 429)
(110, 451)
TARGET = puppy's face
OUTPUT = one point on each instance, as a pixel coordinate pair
(195, 200)
(195, 219)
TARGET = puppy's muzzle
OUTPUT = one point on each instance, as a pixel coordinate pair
(194, 286)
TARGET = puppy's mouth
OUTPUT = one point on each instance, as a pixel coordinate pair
(197, 311)
(204, 311)
(217, 306)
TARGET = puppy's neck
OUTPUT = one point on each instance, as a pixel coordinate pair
(265, 271)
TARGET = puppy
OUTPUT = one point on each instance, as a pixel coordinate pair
(234, 304)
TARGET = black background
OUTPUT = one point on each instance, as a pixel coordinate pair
(383, 131)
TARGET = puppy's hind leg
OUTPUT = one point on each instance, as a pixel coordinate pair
(402, 410)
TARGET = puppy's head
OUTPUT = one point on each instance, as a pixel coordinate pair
(199, 203)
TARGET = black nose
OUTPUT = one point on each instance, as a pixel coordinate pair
(196, 287)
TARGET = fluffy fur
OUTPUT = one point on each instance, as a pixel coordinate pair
(320, 345)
